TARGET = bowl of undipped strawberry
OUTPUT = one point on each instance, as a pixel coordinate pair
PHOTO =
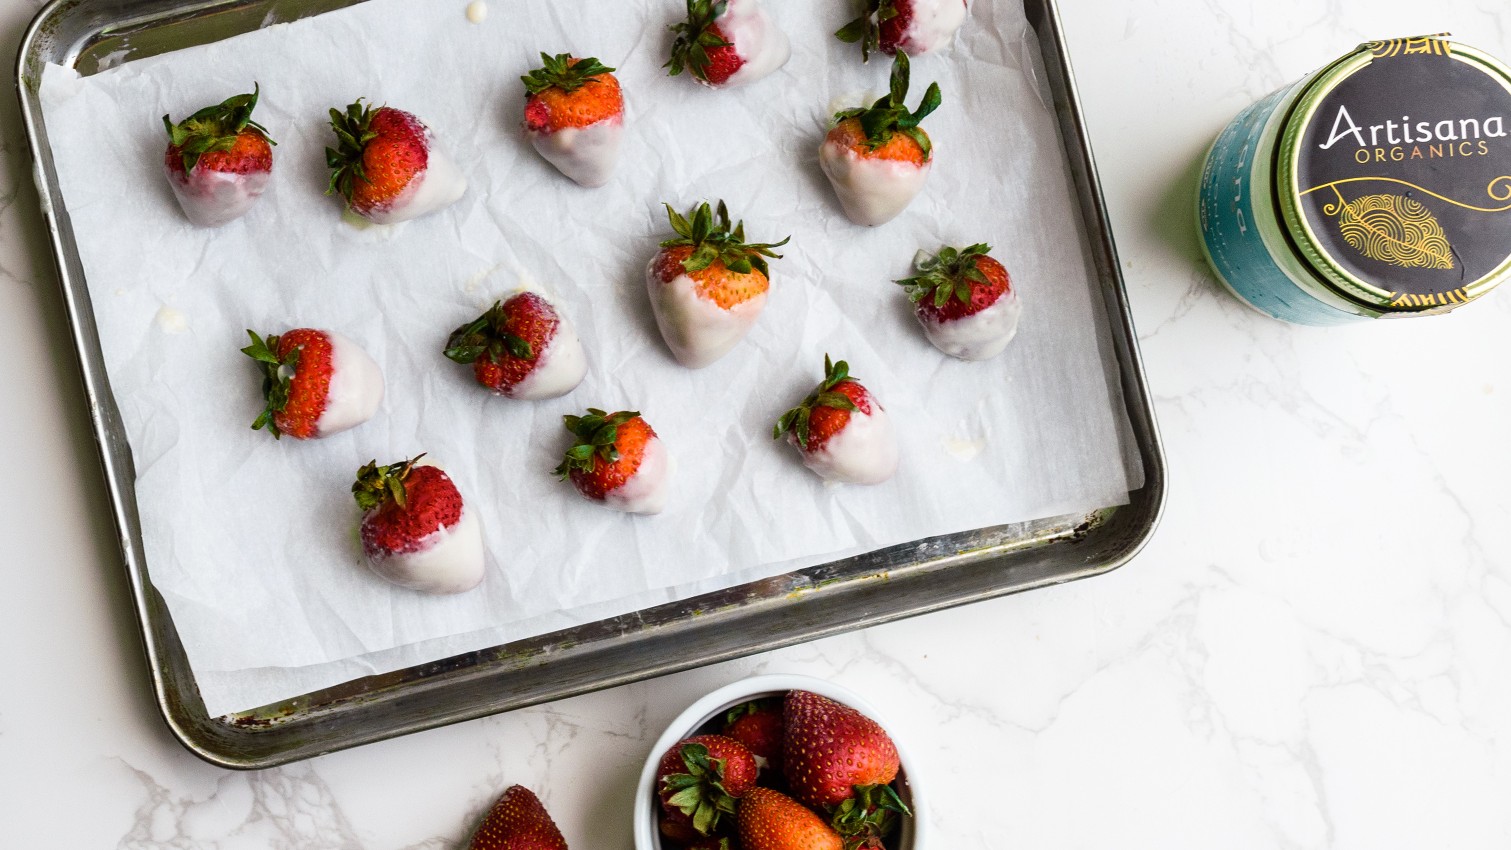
(779, 762)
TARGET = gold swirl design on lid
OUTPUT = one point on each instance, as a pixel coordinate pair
(1498, 189)
(1393, 229)
(1417, 45)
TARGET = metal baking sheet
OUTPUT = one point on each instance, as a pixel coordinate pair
(889, 584)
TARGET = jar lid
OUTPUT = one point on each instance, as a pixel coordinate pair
(1393, 175)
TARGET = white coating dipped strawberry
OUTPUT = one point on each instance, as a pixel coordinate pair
(574, 116)
(915, 27)
(707, 284)
(219, 161)
(728, 43)
(618, 461)
(387, 165)
(522, 348)
(878, 158)
(965, 301)
(417, 530)
(315, 383)
(841, 430)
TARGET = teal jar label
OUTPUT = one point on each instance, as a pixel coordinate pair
(1230, 228)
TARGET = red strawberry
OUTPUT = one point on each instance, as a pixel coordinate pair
(868, 817)
(316, 383)
(416, 530)
(878, 157)
(965, 301)
(517, 821)
(770, 820)
(841, 431)
(617, 460)
(758, 725)
(574, 116)
(909, 26)
(387, 167)
(521, 348)
(218, 160)
(678, 827)
(701, 777)
(831, 748)
(727, 43)
(707, 284)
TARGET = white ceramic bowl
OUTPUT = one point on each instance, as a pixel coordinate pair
(912, 835)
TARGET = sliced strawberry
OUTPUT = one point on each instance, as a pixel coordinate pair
(518, 821)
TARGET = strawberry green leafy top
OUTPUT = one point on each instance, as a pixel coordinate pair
(871, 815)
(487, 336)
(596, 434)
(699, 793)
(378, 484)
(215, 128)
(562, 72)
(823, 395)
(717, 240)
(353, 130)
(948, 273)
(690, 50)
(277, 376)
(890, 114)
(866, 29)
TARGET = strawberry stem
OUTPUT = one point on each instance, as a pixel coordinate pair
(487, 336)
(950, 273)
(694, 38)
(563, 72)
(215, 128)
(870, 815)
(699, 793)
(277, 377)
(377, 485)
(795, 421)
(718, 240)
(353, 129)
(889, 114)
(596, 434)
(866, 29)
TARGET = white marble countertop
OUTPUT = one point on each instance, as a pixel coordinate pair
(1314, 651)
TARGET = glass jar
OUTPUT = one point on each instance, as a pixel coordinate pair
(1377, 187)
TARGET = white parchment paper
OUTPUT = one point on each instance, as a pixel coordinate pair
(252, 542)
